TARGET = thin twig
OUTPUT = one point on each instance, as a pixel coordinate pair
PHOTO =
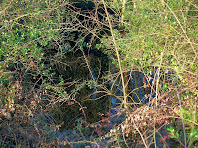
(183, 32)
(182, 118)
(118, 57)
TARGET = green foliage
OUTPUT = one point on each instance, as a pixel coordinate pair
(151, 32)
(35, 81)
(159, 34)
(173, 133)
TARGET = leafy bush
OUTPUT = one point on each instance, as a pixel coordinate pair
(145, 72)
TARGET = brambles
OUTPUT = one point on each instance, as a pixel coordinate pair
(141, 79)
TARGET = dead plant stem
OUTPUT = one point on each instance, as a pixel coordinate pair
(118, 57)
(182, 118)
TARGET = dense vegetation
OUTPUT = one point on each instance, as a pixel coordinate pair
(102, 73)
